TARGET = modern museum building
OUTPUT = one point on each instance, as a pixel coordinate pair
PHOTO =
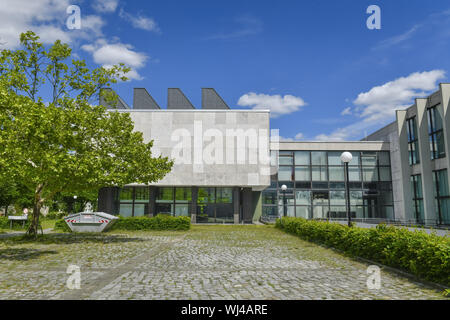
(230, 167)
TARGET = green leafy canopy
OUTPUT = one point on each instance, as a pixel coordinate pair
(67, 144)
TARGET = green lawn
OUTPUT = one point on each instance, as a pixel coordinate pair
(46, 224)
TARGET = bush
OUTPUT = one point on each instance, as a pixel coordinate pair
(160, 222)
(55, 215)
(425, 255)
(62, 226)
(4, 223)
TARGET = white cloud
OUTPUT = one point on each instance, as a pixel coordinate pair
(277, 104)
(105, 6)
(299, 136)
(377, 106)
(140, 22)
(108, 54)
(47, 18)
(346, 111)
(396, 40)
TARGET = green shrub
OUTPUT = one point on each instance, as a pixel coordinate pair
(62, 226)
(425, 255)
(55, 215)
(160, 222)
(4, 223)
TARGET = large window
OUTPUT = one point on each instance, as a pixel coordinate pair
(316, 185)
(416, 188)
(436, 133)
(442, 196)
(215, 205)
(413, 142)
(134, 201)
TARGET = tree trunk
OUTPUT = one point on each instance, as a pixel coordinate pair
(6, 210)
(34, 225)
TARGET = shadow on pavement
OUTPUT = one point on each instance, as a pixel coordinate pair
(22, 254)
(70, 238)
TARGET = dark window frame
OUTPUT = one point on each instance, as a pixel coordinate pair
(413, 140)
(433, 132)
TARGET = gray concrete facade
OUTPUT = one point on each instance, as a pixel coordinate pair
(402, 170)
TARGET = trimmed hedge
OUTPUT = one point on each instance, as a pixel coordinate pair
(425, 255)
(160, 222)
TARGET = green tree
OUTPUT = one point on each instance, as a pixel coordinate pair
(53, 139)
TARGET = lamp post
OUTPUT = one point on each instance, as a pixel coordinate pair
(346, 157)
(74, 203)
(284, 188)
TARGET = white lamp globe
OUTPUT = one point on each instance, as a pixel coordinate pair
(346, 157)
(75, 197)
(284, 187)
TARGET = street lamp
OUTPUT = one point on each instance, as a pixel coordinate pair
(346, 157)
(284, 188)
(74, 201)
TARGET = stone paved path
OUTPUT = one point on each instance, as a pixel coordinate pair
(207, 262)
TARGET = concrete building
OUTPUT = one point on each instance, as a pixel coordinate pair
(419, 147)
(229, 167)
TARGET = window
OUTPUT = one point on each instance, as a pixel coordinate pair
(319, 174)
(285, 158)
(316, 185)
(134, 201)
(302, 174)
(442, 196)
(302, 158)
(319, 158)
(413, 142)
(416, 188)
(303, 198)
(336, 173)
(285, 173)
(436, 133)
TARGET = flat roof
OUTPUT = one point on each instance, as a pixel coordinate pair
(330, 145)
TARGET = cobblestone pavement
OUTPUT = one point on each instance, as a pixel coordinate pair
(207, 262)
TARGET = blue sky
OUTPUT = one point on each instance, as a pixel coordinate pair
(315, 63)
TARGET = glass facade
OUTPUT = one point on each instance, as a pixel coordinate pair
(416, 188)
(316, 185)
(134, 201)
(436, 133)
(442, 196)
(215, 205)
(413, 142)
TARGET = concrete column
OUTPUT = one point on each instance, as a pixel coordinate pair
(236, 204)
(425, 159)
(193, 208)
(405, 191)
(247, 205)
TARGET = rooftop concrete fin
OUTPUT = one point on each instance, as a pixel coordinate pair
(143, 100)
(177, 100)
(212, 100)
(120, 104)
